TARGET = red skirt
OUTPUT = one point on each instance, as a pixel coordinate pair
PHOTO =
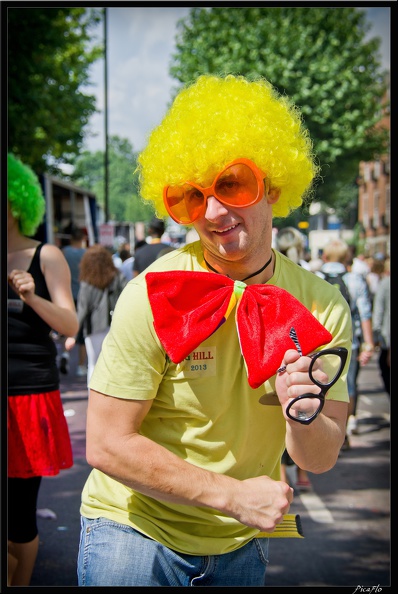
(38, 436)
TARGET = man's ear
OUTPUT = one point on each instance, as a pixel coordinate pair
(273, 195)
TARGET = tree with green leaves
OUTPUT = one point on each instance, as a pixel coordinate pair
(319, 57)
(125, 203)
(49, 55)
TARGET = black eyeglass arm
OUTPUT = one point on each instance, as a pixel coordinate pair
(340, 351)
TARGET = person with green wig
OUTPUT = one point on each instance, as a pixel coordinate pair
(39, 301)
(219, 354)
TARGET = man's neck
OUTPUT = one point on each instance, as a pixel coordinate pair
(248, 274)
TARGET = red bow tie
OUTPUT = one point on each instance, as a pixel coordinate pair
(190, 306)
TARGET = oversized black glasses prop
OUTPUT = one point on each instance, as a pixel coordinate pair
(324, 371)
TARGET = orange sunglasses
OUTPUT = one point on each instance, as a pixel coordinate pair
(239, 184)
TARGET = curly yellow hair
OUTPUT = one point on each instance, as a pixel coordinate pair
(218, 119)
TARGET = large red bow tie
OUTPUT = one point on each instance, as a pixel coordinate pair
(190, 306)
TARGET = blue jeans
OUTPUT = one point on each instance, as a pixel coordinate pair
(113, 554)
(352, 379)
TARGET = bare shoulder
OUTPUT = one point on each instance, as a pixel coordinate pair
(52, 259)
(50, 252)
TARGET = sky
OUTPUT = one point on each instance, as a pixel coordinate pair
(140, 42)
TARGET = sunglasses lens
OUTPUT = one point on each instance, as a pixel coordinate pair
(185, 203)
(237, 185)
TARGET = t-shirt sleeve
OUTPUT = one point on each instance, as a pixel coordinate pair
(132, 361)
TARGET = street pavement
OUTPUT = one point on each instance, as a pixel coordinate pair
(345, 518)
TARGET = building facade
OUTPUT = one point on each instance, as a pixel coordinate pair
(374, 205)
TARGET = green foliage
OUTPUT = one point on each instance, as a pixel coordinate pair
(49, 54)
(124, 200)
(317, 56)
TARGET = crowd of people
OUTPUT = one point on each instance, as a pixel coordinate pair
(358, 278)
(365, 283)
(205, 368)
(339, 259)
(100, 285)
(99, 275)
(62, 294)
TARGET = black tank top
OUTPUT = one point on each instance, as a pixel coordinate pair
(32, 366)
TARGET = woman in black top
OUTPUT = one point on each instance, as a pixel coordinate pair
(39, 300)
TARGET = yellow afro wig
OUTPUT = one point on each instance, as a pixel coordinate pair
(218, 119)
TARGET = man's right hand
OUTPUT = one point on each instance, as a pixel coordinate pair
(260, 502)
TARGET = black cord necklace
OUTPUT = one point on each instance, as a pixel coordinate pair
(247, 277)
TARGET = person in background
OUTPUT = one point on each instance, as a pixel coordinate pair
(139, 244)
(358, 264)
(290, 242)
(375, 275)
(73, 254)
(338, 260)
(381, 325)
(121, 245)
(39, 300)
(144, 256)
(126, 267)
(187, 419)
(315, 264)
(100, 286)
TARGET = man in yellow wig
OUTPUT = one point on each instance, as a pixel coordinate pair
(219, 354)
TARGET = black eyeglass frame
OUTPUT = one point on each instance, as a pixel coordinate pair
(340, 352)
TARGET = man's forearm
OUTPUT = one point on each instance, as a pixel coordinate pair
(316, 447)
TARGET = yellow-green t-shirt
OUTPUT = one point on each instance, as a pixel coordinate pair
(203, 410)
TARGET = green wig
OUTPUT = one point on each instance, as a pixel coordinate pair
(25, 196)
(218, 119)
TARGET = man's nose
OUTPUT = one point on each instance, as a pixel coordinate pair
(214, 208)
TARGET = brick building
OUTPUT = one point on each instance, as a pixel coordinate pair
(374, 206)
